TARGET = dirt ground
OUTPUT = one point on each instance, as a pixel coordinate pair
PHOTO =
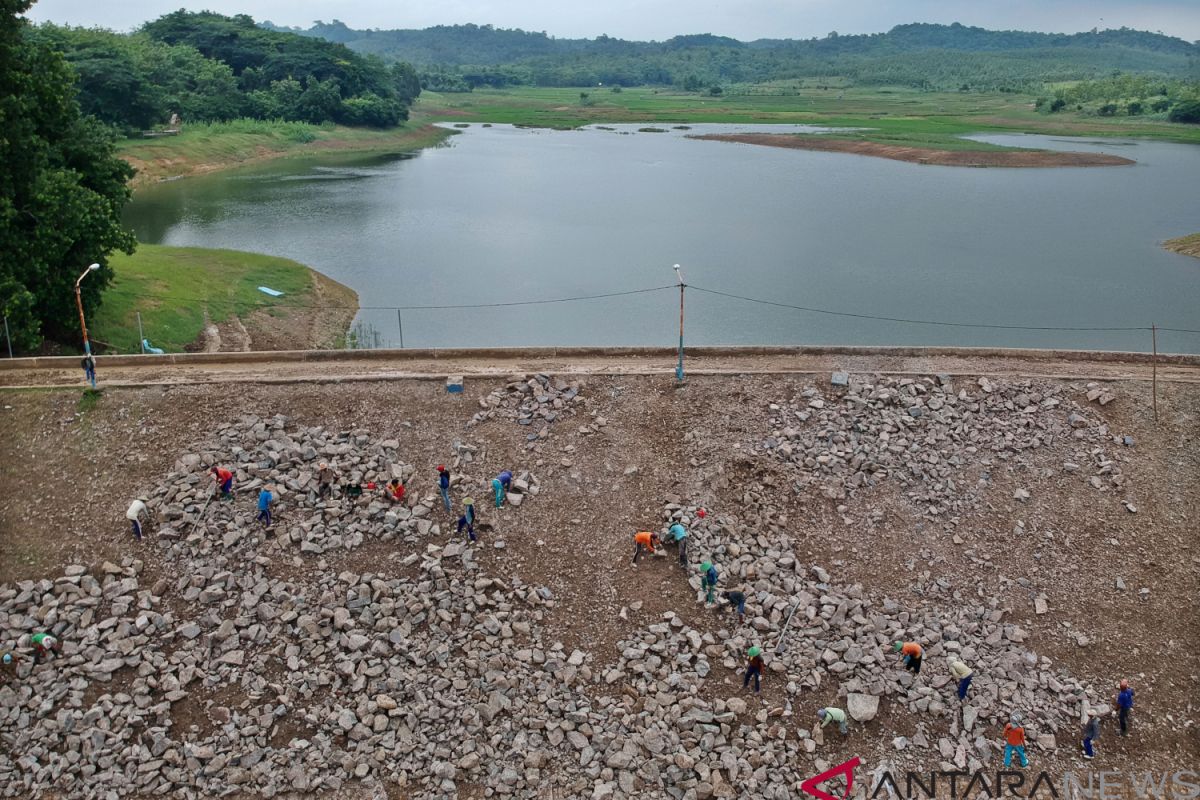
(69, 465)
(926, 155)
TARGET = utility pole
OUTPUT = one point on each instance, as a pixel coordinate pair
(1154, 369)
(400, 322)
(682, 286)
(7, 337)
(141, 336)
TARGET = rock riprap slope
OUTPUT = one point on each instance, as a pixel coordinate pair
(363, 646)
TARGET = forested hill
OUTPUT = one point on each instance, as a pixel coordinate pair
(935, 56)
(204, 67)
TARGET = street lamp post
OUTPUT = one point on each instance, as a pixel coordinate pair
(83, 325)
(87, 345)
(682, 285)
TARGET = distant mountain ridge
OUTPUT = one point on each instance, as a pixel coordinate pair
(947, 53)
(443, 44)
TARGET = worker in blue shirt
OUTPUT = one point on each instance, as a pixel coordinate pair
(467, 520)
(679, 536)
(1124, 706)
(444, 485)
(265, 498)
(738, 601)
(500, 485)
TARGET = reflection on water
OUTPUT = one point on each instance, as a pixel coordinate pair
(506, 214)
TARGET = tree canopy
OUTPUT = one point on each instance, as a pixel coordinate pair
(206, 67)
(920, 55)
(61, 188)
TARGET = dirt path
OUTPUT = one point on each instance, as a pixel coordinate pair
(283, 367)
(925, 155)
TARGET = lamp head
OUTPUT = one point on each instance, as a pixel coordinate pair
(93, 266)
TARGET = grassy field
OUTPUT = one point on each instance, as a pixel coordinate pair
(894, 115)
(207, 148)
(175, 287)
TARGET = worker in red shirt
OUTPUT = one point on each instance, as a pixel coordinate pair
(395, 491)
(643, 540)
(911, 653)
(224, 479)
(1014, 741)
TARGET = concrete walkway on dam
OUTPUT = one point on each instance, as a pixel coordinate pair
(382, 365)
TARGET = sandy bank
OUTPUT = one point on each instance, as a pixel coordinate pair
(924, 155)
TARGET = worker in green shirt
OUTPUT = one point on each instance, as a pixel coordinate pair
(43, 644)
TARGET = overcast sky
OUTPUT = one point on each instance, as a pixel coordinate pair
(661, 19)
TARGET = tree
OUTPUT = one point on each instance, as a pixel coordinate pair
(319, 102)
(61, 188)
(1187, 111)
(110, 77)
(372, 111)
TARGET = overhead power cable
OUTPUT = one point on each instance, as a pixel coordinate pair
(275, 303)
(269, 304)
(908, 321)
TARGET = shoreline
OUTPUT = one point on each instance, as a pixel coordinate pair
(923, 155)
(1184, 245)
(186, 156)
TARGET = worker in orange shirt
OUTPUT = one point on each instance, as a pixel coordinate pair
(911, 652)
(643, 540)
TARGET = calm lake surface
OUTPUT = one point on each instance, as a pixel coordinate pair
(503, 214)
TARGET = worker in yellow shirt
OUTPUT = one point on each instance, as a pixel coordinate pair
(963, 674)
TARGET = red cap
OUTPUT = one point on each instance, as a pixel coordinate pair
(441, 467)
(701, 513)
(371, 485)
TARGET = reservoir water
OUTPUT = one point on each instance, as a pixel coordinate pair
(503, 214)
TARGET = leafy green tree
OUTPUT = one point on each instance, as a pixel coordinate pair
(320, 101)
(372, 111)
(1187, 111)
(61, 188)
(407, 83)
(112, 83)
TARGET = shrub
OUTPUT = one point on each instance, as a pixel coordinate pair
(1188, 111)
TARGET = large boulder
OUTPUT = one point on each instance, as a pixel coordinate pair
(862, 707)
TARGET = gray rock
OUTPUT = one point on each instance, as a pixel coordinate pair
(862, 707)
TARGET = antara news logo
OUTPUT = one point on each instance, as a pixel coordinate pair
(1088, 785)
